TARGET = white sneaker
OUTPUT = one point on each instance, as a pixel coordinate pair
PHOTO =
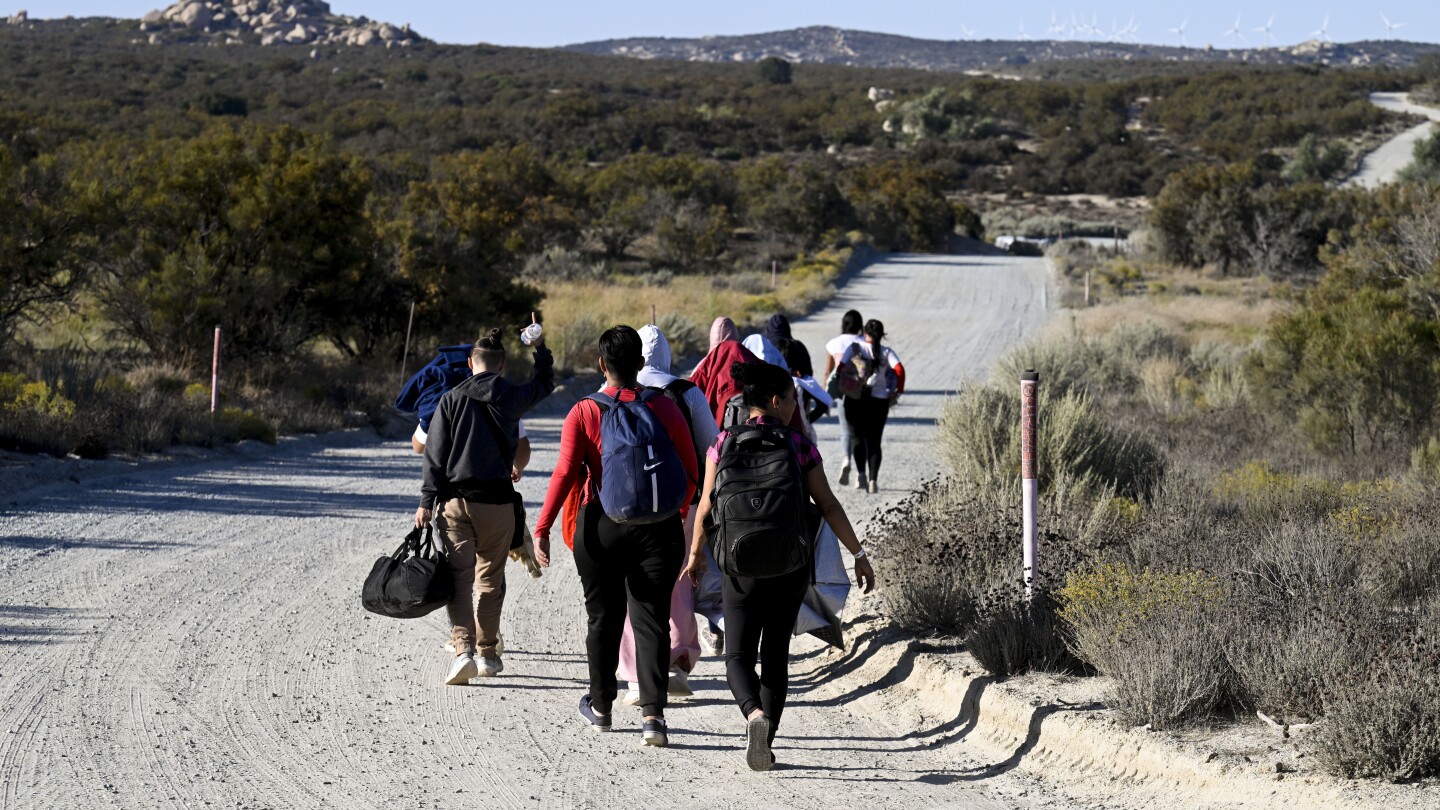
(490, 666)
(874, 487)
(711, 642)
(462, 670)
(632, 695)
(679, 683)
(860, 482)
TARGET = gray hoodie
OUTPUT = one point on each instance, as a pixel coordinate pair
(462, 455)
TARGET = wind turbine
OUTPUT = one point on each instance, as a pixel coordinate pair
(1266, 30)
(1324, 33)
(966, 33)
(1234, 31)
(1056, 29)
(1390, 27)
(1024, 37)
(1130, 30)
(1180, 31)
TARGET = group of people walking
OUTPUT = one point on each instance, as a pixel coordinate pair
(675, 497)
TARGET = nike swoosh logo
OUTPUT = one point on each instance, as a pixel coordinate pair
(649, 467)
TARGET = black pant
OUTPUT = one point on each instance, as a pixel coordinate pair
(866, 415)
(760, 617)
(638, 565)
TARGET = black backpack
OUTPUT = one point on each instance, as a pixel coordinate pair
(757, 523)
(735, 413)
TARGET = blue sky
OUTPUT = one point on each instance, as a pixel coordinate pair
(559, 22)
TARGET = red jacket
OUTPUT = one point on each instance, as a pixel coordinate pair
(579, 462)
(712, 376)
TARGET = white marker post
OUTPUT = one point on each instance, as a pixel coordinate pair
(1029, 405)
(215, 374)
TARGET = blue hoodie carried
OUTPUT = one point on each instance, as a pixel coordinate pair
(422, 392)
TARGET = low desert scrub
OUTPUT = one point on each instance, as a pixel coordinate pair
(1155, 634)
(1080, 452)
(1013, 635)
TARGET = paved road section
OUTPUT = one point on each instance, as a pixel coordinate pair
(191, 636)
(1385, 163)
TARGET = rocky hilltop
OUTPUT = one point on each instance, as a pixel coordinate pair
(839, 46)
(270, 22)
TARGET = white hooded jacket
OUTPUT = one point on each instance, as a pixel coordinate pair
(656, 374)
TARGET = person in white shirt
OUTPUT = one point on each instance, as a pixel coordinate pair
(868, 412)
(850, 328)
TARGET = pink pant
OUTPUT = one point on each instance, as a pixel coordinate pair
(684, 634)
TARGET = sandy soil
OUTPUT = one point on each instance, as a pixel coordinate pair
(1384, 164)
(189, 635)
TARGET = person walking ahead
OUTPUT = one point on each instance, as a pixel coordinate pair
(469, 458)
(884, 383)
(851, 325)
(760, 611)
(635, 561)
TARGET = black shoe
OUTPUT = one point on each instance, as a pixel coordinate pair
(597, 721)
(653, 732)
(757, 744)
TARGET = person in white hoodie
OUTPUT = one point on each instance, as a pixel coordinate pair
(684, 632)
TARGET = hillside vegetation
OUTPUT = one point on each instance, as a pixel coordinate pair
(302, 201)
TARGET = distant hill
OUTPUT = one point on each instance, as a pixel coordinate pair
(838, 46)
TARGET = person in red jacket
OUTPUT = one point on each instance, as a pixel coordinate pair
(620, 563)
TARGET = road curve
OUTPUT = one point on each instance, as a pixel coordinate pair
(1385, 163)
(185, 637)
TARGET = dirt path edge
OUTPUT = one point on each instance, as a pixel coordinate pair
(1074, 745)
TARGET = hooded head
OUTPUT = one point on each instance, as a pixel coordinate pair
(655, 348)
(765, 350)
(721, 330)
(778, 328)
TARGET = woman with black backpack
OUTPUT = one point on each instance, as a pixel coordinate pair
(759, 480)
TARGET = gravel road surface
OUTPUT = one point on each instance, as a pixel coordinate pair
(191, 636)
(1384, 164)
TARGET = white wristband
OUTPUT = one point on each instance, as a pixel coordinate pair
(860, 555)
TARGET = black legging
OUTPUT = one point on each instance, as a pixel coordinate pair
(635, 565)
(867, 415)
(760, 618)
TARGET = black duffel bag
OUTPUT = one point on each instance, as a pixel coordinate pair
(410, 583)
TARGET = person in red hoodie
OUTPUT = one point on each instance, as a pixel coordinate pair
(712, 376)
(620, 564)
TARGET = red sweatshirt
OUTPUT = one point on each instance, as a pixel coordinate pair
(579, 462)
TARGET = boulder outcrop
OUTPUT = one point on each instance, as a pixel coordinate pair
(269, 22)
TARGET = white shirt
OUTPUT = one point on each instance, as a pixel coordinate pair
(878, 382)
(421, 436)
(837, 345)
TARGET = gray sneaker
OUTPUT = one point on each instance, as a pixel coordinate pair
(874, 486)
(462, 670)
(490, 665)
(757, 744)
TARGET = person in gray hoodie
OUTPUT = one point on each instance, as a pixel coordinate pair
(469, 456)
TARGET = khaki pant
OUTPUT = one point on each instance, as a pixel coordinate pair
(476, 540)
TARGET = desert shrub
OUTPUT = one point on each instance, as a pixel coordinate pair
(1012, 636)
(576, 343)
(1382, 717)
(237, 424)
(562, 264)
(1079, 450)
(1283, 655)
(1425, 463)
(1154, 633)
(684, 336)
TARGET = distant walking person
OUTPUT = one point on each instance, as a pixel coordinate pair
(851, 326)
(470, 464)
(759, 479)
(884, 379)
(629, 541)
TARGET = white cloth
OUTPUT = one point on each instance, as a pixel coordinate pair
(837, 345)
(656, 374)
(421, 436)
(765, 350)
(878, 382)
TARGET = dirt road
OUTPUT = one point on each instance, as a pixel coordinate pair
(185, 637)
(1384, 164)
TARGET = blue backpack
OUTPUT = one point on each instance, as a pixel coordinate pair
(641, 477)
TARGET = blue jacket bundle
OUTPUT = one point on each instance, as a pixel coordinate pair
(422, 392)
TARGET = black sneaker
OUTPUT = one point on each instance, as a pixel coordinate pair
(597, 721)
(757, 744)
(653, 732)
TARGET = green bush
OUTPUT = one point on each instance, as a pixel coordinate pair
(1079, 454)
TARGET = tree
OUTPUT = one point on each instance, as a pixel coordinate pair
(774, 70)
(1205, 214)
(901, 205)
(44, 233)
(262, 232)
(797, 200)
